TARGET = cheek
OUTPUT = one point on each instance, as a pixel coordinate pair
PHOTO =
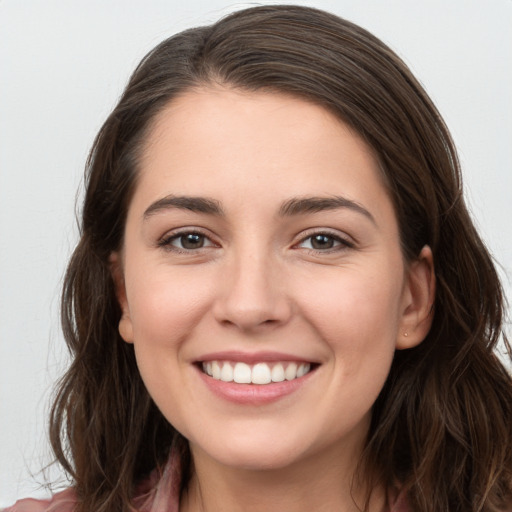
(165, 300)
(165, 307)
(355, 303)
(357, 317)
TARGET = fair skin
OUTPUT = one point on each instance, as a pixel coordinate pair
(261, 233)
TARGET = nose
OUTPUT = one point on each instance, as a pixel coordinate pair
(253, 295)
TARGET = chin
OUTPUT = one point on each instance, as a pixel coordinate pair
(251, 454)
(258, 460)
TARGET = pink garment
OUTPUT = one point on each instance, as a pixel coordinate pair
(153, 495)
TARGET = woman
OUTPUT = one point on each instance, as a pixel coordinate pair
(279, 300)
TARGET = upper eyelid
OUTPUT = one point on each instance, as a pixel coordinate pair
(168, 236)
(300, 237)
(342, 244)
(334, 233)
(185, 230)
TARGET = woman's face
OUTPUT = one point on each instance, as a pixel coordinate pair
(261, 279)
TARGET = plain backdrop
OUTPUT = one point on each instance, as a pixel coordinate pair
(64, 63)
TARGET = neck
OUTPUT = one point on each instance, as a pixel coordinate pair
(322, 483)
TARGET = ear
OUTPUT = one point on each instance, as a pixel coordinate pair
(417, 300)
(125, 323)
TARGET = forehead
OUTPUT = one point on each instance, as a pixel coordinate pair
(218, 113)
(218, 140)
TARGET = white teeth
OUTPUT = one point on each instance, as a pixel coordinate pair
(303, 369)
(242, 373)
(259, 373)
(278, 373)
(226, 373)
(290, 372)
(215, 370)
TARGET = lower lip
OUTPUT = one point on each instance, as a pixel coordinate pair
(253, 394)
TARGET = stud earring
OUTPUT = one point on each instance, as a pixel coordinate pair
(406, 334)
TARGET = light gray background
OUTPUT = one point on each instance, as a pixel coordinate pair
(64, 63)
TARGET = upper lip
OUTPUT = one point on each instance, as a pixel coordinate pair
(253, 357)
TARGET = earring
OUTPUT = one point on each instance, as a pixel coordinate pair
(406, 334)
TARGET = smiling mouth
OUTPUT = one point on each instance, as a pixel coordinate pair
(259, 373)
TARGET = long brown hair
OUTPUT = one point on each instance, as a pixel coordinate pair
(442, 425)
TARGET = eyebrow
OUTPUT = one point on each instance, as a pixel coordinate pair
(292, 207)
(191, 203)
(302, 205)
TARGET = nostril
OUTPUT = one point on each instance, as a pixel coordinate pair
(248, 324)
(251, 307)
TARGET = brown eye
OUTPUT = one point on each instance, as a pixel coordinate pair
(191, 241)
(322, 242)
(186, 241)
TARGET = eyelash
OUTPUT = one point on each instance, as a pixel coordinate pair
(167, 241)
(339, 243)
(342, 243)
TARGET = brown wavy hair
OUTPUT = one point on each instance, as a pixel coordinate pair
(442, 425)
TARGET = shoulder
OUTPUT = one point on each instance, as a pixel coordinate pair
(64, 501)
